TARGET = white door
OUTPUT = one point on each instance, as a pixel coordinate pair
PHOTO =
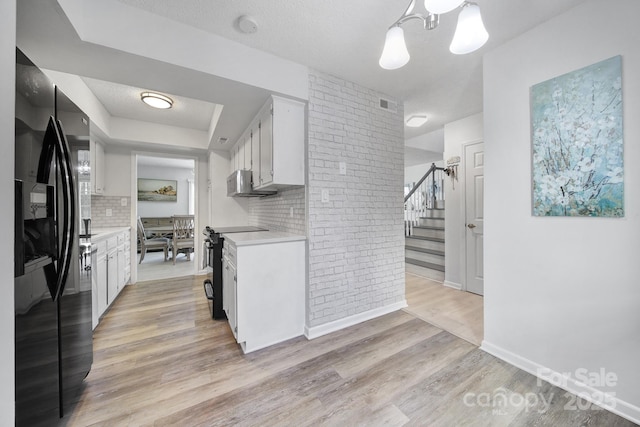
(474, 216)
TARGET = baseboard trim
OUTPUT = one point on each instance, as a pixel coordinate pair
(616, 406)
(452, 285)
(336, 325)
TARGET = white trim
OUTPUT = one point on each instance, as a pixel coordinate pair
(336, 325)
(452, 285)
(618, 407)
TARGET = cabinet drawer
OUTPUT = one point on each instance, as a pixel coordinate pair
(230, 252)
(112, 242)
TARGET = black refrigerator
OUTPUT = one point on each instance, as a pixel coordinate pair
(53, 331)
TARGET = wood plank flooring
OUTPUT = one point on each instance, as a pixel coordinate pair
(458, 312)
(160, 360)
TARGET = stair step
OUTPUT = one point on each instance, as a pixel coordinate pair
(423, 250)
(426, 231)
(424, 243)
(424, 264)
(435, 213)
(430, 222)
(425, 255)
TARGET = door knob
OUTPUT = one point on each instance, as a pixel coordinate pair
(471, 226)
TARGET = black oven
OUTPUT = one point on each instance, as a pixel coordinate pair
(213, 286)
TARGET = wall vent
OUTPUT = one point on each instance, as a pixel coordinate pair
(385, 104)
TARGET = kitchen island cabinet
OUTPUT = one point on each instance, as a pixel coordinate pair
(264, 287)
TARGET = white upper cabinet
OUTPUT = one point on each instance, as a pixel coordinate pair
(273, 145)
(96, 159)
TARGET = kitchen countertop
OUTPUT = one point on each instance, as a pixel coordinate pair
(103, 233)
(262, 237)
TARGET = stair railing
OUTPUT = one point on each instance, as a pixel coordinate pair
(423, 196)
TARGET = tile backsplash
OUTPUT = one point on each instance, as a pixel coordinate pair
(284, 211)
(119, 208)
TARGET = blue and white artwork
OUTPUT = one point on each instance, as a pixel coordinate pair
(577, 143)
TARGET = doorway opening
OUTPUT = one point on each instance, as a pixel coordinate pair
(166, 194)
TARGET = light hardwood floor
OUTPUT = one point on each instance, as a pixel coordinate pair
(161, 360)
(457, 312)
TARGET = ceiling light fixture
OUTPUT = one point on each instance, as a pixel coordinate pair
(470, 33)
(416, 121)
(156, 100)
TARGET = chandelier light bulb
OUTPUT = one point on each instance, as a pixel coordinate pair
(470, 33)
(441, 6)
(395, 53)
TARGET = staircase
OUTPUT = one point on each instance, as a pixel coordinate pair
(424, 226)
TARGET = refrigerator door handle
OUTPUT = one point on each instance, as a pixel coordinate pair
(68, 214)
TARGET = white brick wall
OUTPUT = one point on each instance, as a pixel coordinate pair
(274, 212)
(120, 215)
(356, 241)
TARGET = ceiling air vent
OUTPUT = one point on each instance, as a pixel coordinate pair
(222, 140)
(385, 104)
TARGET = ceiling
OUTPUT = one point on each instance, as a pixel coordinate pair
(342, 38)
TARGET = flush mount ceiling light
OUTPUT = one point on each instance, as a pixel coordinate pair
(470, 33)
(156, 100)
(416, 121)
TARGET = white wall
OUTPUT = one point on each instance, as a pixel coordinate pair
(456, 135)
(164, 209)
(7, 136)
(117, 172)
(225, 211)
(562, 293)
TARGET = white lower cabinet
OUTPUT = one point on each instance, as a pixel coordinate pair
(112, 270)
(263, 292)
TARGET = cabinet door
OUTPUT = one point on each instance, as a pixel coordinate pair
(225, 284)
(97, 168)
(247, 151)
(112, 276)
(101, 279)
(266, 147)
(233, 309)
(121, 269)
(255, 154)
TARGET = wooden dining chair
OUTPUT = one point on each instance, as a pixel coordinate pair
(153, 243)
(183, 239)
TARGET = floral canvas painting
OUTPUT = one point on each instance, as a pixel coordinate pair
(578, 143)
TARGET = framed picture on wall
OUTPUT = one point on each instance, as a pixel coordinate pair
(157, 190)
(577, 143)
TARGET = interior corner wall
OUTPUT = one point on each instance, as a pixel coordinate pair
(562, 293)
(7, 136)
(225, 211)
(456, 135)
(355, 236)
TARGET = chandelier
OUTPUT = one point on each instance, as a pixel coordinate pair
(470, 34)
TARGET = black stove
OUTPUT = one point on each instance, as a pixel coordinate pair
(213, 256)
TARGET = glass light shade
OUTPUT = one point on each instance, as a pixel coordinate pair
(441, 6)
(470, 33)
(416, 121)
(156, 100)
(395, 53)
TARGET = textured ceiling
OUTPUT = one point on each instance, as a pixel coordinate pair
(345, 38)
(342, 38)
(124, 101)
